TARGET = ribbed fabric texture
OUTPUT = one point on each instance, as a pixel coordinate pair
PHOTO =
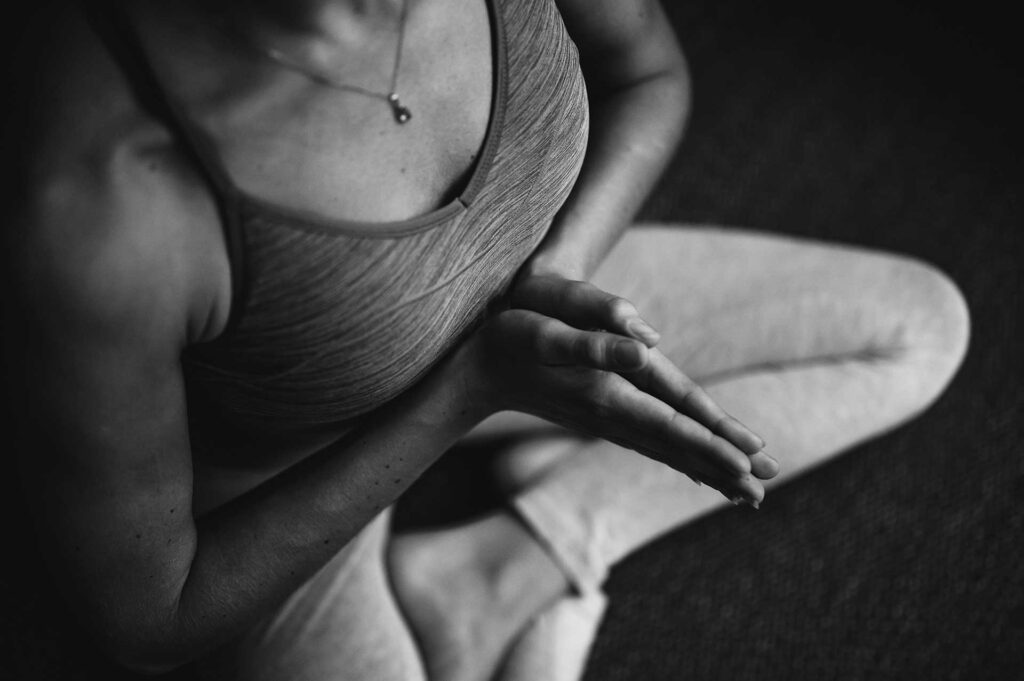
(332, 322)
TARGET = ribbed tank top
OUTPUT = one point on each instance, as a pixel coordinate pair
(332, 319)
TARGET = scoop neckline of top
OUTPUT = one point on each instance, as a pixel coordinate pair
(315, 222)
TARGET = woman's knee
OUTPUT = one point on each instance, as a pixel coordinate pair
(937, 330)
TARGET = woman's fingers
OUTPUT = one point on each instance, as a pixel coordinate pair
(582, 305)
(663, 379)
(678, 441)
(619, 408)
(642, 401)
(744, 489)
(763, 466)
(555, 343)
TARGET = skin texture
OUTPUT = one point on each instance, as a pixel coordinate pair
(639, 90)
(117, 264)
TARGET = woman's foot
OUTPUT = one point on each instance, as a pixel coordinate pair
(468, 591)
(556, 644)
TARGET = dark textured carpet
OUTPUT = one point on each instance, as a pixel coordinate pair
(891, 126)
(896, 128)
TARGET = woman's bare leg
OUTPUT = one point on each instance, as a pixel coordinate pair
(815, 347)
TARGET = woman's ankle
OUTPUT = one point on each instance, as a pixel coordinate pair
(525, 577)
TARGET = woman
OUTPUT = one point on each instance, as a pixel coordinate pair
(276, 257)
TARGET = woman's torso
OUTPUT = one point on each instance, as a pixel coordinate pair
(342, 298)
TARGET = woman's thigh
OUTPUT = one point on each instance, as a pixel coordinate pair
(728, 300)
(816, 346)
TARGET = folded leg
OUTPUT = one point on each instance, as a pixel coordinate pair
(816, 347)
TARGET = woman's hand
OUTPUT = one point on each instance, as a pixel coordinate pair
(616, 388)
(581, 304)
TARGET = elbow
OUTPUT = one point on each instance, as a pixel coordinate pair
(668, 99)
(675, 90)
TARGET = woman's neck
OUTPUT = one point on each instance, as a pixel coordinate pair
(336, 21)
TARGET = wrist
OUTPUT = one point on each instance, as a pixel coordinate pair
(474, 395)
(554, 265)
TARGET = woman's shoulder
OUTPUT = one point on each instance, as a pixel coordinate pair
(108, 212)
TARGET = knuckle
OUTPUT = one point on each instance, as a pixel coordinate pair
(601, 410)
(692, 394)
(547, 327)
(687, 385)
(620, 308)
(673, 419)
(603, 403)
(697, 432)
(544, 340)
(591, 350)
(569, 290)
(576, 292)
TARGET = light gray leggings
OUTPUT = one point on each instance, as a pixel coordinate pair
(815, 347)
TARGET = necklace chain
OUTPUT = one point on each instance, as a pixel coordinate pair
(400, 112)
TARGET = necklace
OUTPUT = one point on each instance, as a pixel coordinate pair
(400, 112)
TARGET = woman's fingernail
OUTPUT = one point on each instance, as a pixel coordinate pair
(628, 354)
(749, 501)
(640, 328)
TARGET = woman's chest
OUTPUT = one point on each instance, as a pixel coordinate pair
(328, 324)
(318, 136)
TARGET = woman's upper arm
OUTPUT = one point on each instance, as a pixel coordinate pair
(101, 310)
(622, 42)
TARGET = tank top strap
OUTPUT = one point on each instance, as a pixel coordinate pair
(114, 28)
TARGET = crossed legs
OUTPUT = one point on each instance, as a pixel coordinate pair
(815, 347)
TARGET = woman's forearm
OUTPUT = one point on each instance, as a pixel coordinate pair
(635, 130)
(251, 554)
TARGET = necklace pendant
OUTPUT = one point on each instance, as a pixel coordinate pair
(400, 112)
